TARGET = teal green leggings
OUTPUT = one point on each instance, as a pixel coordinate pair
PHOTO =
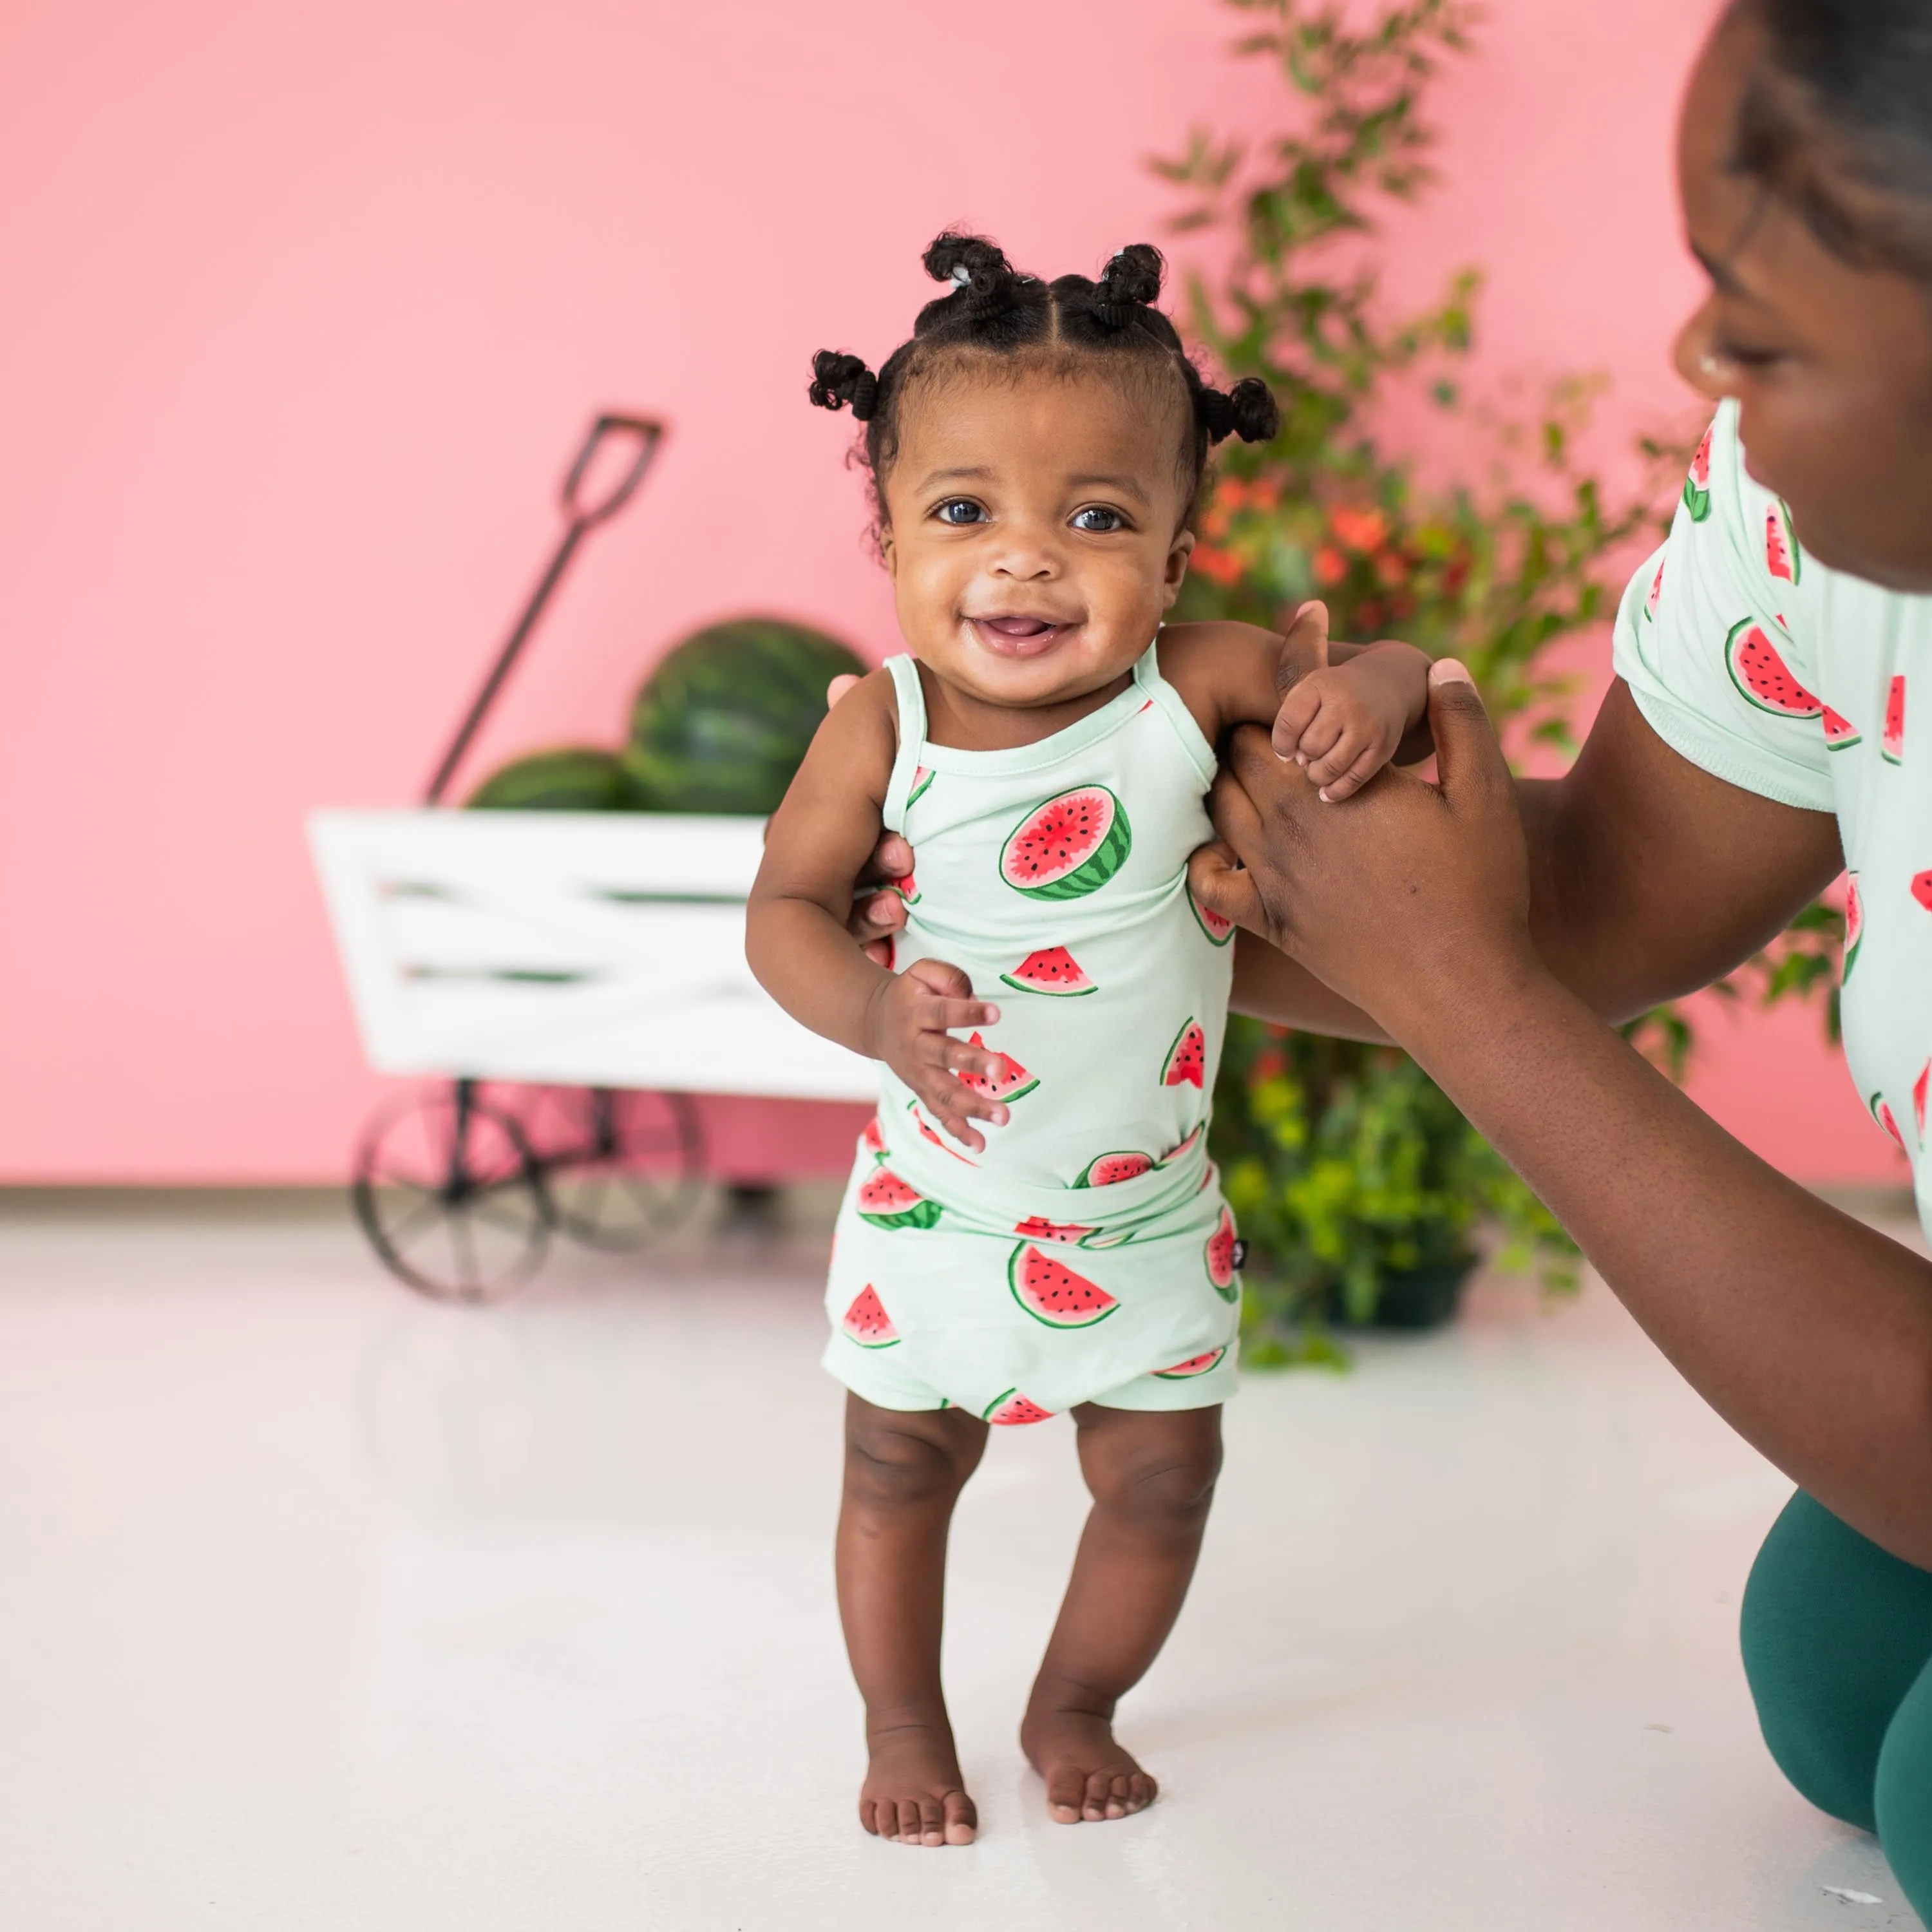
(1838, 1644)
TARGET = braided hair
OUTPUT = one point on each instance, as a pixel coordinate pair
(990, 310)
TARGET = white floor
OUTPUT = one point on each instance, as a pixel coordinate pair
(325, 1608)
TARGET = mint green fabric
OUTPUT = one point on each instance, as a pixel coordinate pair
(1837, 1649)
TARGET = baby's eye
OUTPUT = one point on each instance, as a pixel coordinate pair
(1098, 519)
(961, 510)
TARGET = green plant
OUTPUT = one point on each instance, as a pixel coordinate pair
(1346, 1165)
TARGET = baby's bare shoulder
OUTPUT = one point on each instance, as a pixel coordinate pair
(1223, 670)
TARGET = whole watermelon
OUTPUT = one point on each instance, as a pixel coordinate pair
(724, 721)
(574, 778)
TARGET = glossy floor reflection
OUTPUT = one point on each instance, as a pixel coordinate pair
(326, 1609)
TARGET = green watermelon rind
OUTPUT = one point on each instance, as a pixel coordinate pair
(1779, 515)
(1697, 501)
(921, 1214)
(1116, 1154)
(1020, 985)
(1854, 928)
(1731, 640)
(1092, 871)
(1225, 939)
(1229, 1289)
(971, 1082)
(921, 786)
(1013, 1265)
(1846, 739)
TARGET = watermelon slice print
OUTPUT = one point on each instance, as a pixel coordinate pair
(1840, 734)
(1038, 1228)
(1223, 1256)
(1051, 1292)
(1697, 484)
(1855, 922)
(1781, 557)
(887, 1201)
(922, 784)
(866, 1321)
(1105, 1170)
(1891, 747)
(1068, 846)
(1881, 1113)
(1195, 1365)
(1052, 969)
(1919, 1089)
(1008, 1080)
(1181, 1150)
(1013, 1410)
(873, 1140)
(1219, 930)
(907, 889)
(1186, 1060)
(1656, 591)
(1760, 674)
(1921, 889)
(926, 1133)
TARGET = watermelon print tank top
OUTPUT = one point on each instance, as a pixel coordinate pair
(1814, 687)
(1055, 875)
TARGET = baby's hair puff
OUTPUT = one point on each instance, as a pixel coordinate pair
(990, 310)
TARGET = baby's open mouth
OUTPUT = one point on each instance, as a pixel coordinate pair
(1017, 637)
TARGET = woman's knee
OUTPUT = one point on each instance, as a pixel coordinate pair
(896, 1460)
(1834, 1632)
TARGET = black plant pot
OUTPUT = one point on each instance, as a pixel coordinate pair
(1413, 1298)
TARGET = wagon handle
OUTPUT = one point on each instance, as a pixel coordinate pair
(579, 519)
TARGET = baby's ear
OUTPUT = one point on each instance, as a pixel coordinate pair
(1178, 552)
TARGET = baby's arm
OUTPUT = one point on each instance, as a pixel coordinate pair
(795, 936)
(1349, 710)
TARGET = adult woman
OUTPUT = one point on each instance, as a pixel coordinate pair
(1491, 928)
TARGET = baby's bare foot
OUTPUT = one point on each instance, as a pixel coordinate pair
(913, 1791)
(1088, 1776)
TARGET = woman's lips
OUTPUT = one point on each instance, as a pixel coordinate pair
(1017, 637)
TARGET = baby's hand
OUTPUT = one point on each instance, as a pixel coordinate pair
(1342, 723)
(907, 1026)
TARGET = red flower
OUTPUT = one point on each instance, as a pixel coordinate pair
(1218, 566)
(1330, 566)
(1363, 530)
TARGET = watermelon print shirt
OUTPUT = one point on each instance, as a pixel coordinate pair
(1812, 687)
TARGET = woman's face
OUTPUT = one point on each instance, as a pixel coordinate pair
(1831, 364)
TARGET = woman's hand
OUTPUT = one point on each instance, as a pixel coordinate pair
(1416, 895)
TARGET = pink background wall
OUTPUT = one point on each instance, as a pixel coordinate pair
(321, 296)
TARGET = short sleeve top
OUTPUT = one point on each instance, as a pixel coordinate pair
(1766, 669)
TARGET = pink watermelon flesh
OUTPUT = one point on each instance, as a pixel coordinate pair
(1174, 1154)
(1761, 674)
(1656, 591)
(922, 783)
(1068, 846)
(1840, 734)
(1700, 464)
(886, 1201)
(1038, 1228)
(1007, 1081)
(1107, 1168)
(908, 888)
(1219, 930)
(1221, 1258)
(1186, 1058)
(1050, 1291)
(1919, 1087)
(873, 1139)
(1882, 1114)
(866, 1321)
(1053, 970)
(1921, 890)
(1893, 749)
(1195, 1365)
(1012, 1409)
(1855, 919)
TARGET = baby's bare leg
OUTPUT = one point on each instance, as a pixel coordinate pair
(904, 1472)
(1152, 1476)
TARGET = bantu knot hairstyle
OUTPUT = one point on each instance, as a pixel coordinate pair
(990, 310)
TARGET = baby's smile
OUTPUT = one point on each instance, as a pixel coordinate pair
(1011, 635)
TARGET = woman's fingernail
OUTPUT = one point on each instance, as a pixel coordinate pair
(1449, 670)
(1323, 795)
(992, 1016)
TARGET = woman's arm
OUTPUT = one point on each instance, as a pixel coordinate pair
(1811, 1334)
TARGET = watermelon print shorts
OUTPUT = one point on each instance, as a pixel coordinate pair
(935, 1307)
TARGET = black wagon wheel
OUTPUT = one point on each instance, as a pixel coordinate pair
(621, 1167)
(450, 1196)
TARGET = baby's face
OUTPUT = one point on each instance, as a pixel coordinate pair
(1032, 533)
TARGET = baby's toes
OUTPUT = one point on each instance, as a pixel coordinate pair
(931, 1821)
(960, 1819)
(1141, 1789)
(1099, 1796)
(1066, 1795)
(911, 1830)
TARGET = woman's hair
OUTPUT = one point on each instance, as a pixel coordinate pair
(1839, 124)
(992, 315)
